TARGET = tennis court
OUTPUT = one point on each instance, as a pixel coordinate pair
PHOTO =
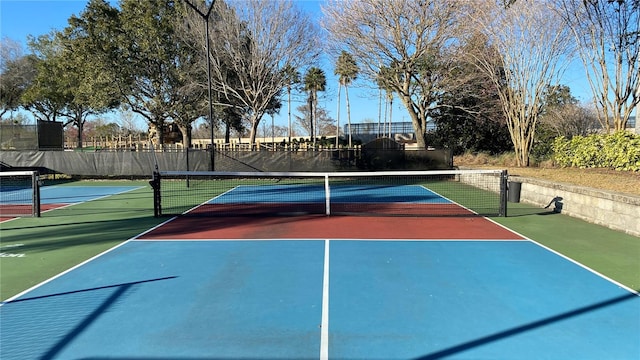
(312, 286)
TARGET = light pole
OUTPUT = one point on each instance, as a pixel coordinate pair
(205, 17)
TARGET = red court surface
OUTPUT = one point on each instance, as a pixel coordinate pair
(331, 227)
(25, 209)
(340, 209)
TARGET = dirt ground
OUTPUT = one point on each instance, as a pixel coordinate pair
(619, 181)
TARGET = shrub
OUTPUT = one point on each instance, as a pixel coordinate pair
(619, 151)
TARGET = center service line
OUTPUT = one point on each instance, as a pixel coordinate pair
(324, 325)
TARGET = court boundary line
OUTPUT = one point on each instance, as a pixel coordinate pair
(575, 262)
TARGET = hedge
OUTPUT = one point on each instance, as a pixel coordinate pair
(619, 151)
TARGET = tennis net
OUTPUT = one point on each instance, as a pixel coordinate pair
(19, 193)
(392, 193)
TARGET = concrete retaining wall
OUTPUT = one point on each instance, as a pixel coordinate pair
(614, 210)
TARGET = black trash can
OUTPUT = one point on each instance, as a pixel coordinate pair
(513, 191)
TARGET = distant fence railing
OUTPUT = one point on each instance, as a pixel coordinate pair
(138, 143)
(121, 143)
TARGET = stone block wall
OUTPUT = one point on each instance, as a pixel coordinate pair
(614, 210)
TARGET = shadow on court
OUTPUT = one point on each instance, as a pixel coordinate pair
(65, 236)
(59, 330)
(516, 210)
(121, 289)
(526, 327)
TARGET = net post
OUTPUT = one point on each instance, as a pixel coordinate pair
(504, 176)
(155, 185)
(35, 185)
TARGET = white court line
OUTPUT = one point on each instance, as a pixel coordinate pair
(324, 325)
(313, 239)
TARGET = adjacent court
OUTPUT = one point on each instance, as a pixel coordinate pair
(18, 196)
(313, 286)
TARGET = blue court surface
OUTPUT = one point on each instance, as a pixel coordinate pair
(62, 194)
(315, 299)
(77, 194)
(339, 194)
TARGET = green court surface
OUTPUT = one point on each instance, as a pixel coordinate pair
(611, 253)
(36, 249)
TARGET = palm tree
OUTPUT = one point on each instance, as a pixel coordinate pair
(314, 81)
(383, 84)
(292, 78)
(347, 71)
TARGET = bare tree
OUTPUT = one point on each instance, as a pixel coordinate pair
(17, 71)
(570, 120)
(564, 116)
(251, 43)
(409, 38)
(324, 124)
(127, 121)
(528, 50)
(608, 37)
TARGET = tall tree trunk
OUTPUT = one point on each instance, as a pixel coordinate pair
(391, 115)
(80, 131)
(289, 111)
(379, 112)
(311, 113)
(338, 116)
(417, 120)
(346, 94)
(186, 135)
(254, 131)
(227, 133)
